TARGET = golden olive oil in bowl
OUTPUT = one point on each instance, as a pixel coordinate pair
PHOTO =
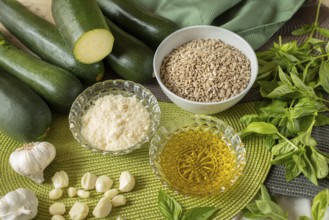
(197, 155)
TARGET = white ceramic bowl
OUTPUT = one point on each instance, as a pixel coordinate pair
(188, 34)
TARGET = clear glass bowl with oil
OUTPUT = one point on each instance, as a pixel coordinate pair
(197, 155)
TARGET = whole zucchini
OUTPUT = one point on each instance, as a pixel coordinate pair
(130, 58)
(83, 27)
(55, 85)
(137, 21)
(44, 39)
(24, 116)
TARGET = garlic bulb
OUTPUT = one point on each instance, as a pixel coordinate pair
(21, 204)
(31, 159)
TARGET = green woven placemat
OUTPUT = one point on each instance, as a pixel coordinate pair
(142, 201)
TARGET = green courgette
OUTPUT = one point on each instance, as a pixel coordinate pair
(137, 21)
(24, 116)
(55, 85)
(44, 39)
(130, 58)
(83, 27)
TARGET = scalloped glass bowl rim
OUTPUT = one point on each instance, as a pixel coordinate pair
(124, 87)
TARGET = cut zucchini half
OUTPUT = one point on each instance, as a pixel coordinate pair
(93, 46)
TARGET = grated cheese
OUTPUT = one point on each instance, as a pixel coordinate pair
(115, 122)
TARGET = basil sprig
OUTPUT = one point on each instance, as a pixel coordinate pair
(294, 81)
(265, 206)
(172, 210)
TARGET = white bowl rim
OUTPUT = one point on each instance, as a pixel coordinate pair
(251, 81)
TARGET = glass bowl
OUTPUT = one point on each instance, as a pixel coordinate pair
(197, 155)
(113, 87)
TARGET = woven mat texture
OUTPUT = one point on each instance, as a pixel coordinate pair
(142, 201)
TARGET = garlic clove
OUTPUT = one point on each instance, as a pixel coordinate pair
(32, 159)
(57, 208)
(111, 193)
(79, 211)
(127, 182)
(57, 217)
(103, 208)
(83, 194)
(60, 179)
(88, 181)
(119, 218)
(103, 183)
(119, 200)
(55, 194)
(71, 192)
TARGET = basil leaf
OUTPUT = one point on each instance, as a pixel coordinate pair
(293, 126)
(271, 209)
(323, 31)
(246, 119)
(307, 168)
(266, 87)
(321, 120)
(324, 75)
(304, 218)
(292, 170)
(320, 204)
(283, 159)
(327, 47)
(303, 30)
(261, 128)
(301, 85)
(199, 213)
(284, 78)
(282, 148)
(169, 207)
(264, 195)
(305, 138)
(280, 91)
(320, 164)
(269, 142)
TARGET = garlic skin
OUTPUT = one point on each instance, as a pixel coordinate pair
(21, 204)
(32, 159)
(60, 179)
(127, 182)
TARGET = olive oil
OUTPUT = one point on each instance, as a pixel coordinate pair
(198, 162)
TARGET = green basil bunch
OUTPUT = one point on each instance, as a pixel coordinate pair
(294, 81)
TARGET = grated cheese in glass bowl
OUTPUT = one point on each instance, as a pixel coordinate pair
(114, 116)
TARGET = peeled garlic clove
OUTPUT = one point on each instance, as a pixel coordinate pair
(57, 208)
(55, 194)
(88, 181)
(103, 208)
(60, 179)
(79, 211)
(32, 159)
(71, 192)
(127, 182)
(83, 194)
(103, 183)
(111, 193)
(57, 217)
(119, 200)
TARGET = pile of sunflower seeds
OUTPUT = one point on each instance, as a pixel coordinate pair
(205, 70)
